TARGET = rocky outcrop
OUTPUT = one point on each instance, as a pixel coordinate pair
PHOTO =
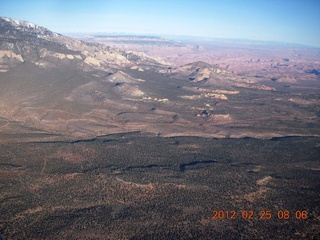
(9, 59)
(202, 73)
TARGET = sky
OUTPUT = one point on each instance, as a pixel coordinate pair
(293, 21)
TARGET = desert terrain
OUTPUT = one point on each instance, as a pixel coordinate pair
(146, 137)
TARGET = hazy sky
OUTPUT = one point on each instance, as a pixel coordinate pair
(278, 20)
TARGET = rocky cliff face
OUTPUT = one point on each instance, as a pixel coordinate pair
(23, 41)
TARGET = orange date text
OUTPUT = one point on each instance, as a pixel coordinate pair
(264, 214)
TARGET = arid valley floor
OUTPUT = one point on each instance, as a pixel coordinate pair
(131, 186)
